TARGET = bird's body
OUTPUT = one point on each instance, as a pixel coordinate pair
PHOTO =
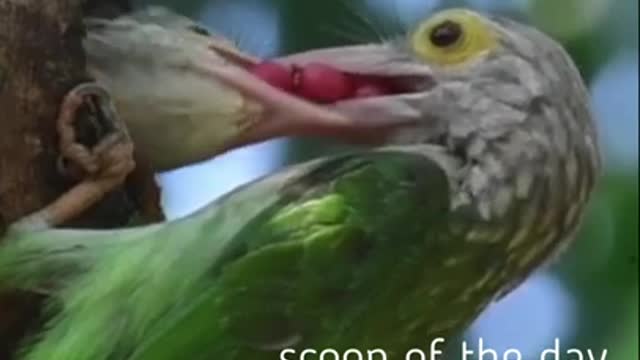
(385, 249)
(320, 222)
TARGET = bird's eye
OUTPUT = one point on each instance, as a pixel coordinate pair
(446, 34)
(453, 37)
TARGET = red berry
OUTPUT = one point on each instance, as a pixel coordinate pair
(275, 74)
(323, 84)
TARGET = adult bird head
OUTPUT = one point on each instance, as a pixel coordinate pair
(461, 78)
(501, 102)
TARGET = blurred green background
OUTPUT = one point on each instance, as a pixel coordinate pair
(589, 297)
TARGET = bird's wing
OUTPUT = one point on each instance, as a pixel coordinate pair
(325, 264)
(319, 254)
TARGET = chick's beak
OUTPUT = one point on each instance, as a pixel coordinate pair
(355, 119)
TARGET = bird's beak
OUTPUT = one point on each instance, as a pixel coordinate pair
(355, 120)
(409, 79)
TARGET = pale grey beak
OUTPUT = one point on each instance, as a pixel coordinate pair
(373, 59)
(380, 60)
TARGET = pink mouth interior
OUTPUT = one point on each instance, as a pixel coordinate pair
(324, 84)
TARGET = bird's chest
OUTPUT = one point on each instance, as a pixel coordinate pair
(176, 117)
(510, 226)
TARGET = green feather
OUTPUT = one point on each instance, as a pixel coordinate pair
(312, 257)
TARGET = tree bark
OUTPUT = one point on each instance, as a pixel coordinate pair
(41, 58)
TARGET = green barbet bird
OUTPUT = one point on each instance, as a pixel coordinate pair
(382, 249)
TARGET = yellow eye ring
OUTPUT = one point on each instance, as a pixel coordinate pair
(453, 37)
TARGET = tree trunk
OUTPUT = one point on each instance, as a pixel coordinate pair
(41, 58)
